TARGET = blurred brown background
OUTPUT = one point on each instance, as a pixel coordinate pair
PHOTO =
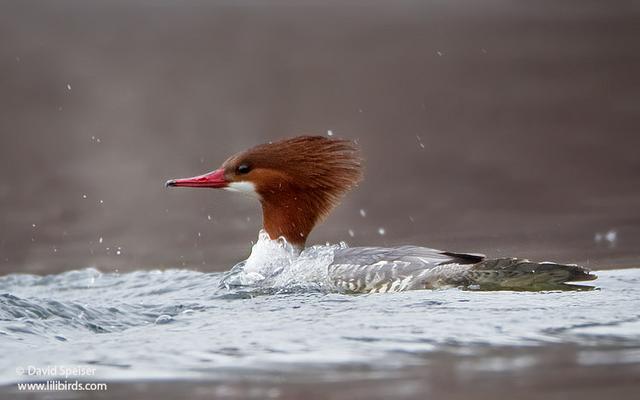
(529, 114)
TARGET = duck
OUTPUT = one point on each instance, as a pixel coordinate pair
(298, 181)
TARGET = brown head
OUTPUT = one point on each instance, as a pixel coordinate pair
(298, 181)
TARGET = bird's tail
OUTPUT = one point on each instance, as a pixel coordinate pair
(520, 274)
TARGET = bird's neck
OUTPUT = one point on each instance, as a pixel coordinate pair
(291, 216)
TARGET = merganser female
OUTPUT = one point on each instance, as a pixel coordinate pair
(298, 181)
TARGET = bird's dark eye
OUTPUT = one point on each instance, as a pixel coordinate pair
(243, 169)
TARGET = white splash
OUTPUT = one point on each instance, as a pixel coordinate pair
(276, 264)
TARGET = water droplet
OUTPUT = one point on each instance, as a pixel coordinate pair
(610, 237)
(381, 231)
(351, 232)
(329, 132)
(68, 86)
(363, 213)
(209, 217)
(100, 239)
(84, 196)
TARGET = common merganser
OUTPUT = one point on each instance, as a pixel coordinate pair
(298, 181)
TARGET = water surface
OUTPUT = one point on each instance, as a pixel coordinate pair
(181, 324)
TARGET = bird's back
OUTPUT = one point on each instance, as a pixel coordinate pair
(379, 269)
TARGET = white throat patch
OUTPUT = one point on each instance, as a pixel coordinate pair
(244, 187)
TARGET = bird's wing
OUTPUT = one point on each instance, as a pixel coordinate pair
(379, 269)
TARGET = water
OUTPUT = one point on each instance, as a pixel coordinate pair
(277, 265)
(186, 324)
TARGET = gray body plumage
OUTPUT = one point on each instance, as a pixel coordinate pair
(376, 269)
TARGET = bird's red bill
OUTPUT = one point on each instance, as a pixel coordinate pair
(214, 179)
